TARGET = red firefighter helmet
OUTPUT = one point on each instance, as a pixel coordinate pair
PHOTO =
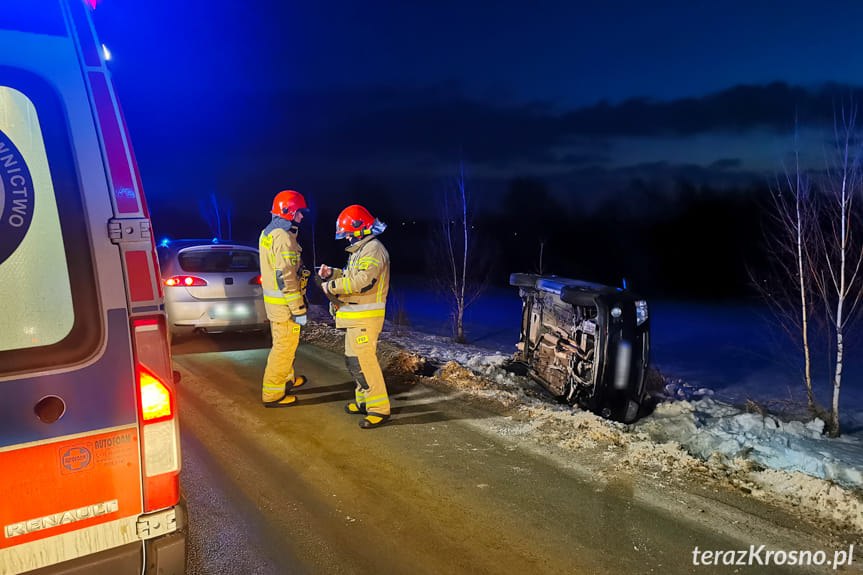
(287, 203)
(354, 221)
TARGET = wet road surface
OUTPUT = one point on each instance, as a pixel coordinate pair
(303, 490)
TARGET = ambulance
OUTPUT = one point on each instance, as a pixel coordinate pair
(89, 436)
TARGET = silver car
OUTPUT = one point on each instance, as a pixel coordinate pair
(211, 287)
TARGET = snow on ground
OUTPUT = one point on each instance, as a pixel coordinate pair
(706, 427)
(442, 349)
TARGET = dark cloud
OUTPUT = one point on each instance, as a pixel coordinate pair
(726, 164)
(669, 171)
(387, 127)
(262, 141)
(585, 159)
(398, 126)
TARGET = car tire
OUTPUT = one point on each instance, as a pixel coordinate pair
(523, 280)
(181, 333)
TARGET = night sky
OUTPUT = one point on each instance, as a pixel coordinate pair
(376, 102)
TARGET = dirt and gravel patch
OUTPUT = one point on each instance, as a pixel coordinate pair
(400, 367)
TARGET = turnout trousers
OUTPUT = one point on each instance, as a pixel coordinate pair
(280, 363)
(361, 344)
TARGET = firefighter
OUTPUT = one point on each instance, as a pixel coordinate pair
(361, 288)
(283, 282)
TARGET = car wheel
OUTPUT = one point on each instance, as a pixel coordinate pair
(181, 333)
(523, 280)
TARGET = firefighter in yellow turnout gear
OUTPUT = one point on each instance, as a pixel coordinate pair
(362, 287)
(283, 288)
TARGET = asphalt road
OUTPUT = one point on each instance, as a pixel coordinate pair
(303, 490)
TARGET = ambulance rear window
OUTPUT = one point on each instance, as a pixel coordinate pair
(36, 16)
(49, 306)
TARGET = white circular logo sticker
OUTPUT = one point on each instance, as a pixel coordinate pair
(16, 198)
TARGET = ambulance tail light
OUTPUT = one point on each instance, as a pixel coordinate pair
(157, 403)
(160, 437)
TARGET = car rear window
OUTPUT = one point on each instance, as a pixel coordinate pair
(218, 261)
(47, 284)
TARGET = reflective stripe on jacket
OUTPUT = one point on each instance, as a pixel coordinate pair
(280, 256)
(363, 284)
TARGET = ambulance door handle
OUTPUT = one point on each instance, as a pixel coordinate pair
(50, 408)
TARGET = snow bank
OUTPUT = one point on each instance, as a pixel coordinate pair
(707, 427)
(803, 491)
(443, 349)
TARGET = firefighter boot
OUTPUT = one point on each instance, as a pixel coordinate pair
(358, 406)
(298, 381)
(285, 401)
(353, 408)
(373, 420)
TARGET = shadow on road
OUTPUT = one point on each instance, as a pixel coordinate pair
(419, 414)
(311, 388)
(342, 393)
(412, 404)
(229, 341)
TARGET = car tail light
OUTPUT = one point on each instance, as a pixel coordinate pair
(188, 281)
(160, 438)
(256, 281)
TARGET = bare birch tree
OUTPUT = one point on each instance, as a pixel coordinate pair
(838, 277)
(462, 271)
(789, 290)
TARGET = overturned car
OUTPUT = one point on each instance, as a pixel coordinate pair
(587, 343)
